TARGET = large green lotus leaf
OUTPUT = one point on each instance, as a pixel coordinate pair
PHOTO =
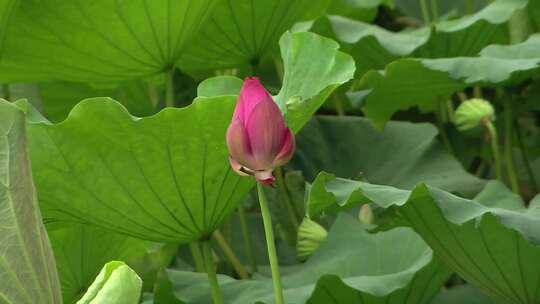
(165, 177)
(497, 195)
(162, 178)
(401, 155)
(350, 266)
(373, 47)
(27, 267)
(422, 82)
(115, 284)
(7, 9)
(242, 32)
(81, 251)
(98, 41)
(494, 249)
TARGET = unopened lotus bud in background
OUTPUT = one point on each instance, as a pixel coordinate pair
(310, 236)
(365, 215)
(258, 138)
(472, 112)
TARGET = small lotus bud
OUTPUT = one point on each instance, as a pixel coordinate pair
(365, 215)
(310, 236)
(470, 113)
(258, 138)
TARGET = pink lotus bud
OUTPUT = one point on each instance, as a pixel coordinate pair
(257, 138)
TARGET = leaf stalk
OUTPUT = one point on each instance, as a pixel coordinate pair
(248, 246)
(231, 256)
(211, 271)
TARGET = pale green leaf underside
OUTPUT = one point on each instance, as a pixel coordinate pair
(494, 249)
(422, 82)
(115, 284)
(401, 155)
(373, 47)
(401, 270)
(27, 267)
(98, 41)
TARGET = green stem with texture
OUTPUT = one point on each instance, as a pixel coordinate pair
(434, 10)
(271, 245)
(197, 256)
(477, 92)
(494, 147)
(280, 178)
(508, 151)
(248, 246)
(6, 91)
(530, 172)
(469, 7)
(439, 118)
(339, 107)
(231, 256)
(169, 94)
(153, 95)
(425, 13)
(449, 109)
(211, 271)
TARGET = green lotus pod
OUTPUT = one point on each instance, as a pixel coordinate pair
(310, 236)
(471, 113)
(365, 215)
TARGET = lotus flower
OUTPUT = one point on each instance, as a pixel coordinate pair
(257, 138)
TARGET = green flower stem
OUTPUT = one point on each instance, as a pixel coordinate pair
(434, 10)
(231, 256)
(6, 92)
(153, 95)
(450, 109)
(247, 239)
(477, 92)
(494, 146)
(530, 172)
(425, 13)
(271, 245)
(440, 118)
(286, 198)
(211, 271)
(508, 153)
(339, 106)
(469, 7)
(197, 256)
(169, 94)
(462, 96)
